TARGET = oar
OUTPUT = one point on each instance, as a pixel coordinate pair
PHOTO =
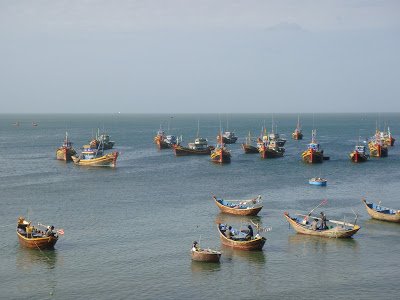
(322, 203)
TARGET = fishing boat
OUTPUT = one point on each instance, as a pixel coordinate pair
(31, 237)
(249, 207)
(377, 147)
(66, 151)
(314, 153)
(318, 181)
(102, 139)
(220, 154)
(34, 124)
(204, 255)
(335, 229)
(95, 158)
(358, 155)
(376, 211)
(164, 141)
(239, 242)
(297, 134)
(247, 147)
(270, 149)
(387, 138)
(16, 124)
(228, 137)
(198, 147)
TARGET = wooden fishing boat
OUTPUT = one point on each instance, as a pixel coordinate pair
(376, 211)
(314, 153)
(359, 154)
(377, 149)
(66, 151)
(254, 244)
(247, 147)
(339, 230)
(164, 141)
(102, 139)
(221, 155)
(31, 237)
(388, 138)
(95, 158)
(198, 147)
(270, 149)
(376, 145)
(249, 207)
(204, 255)
(228, 137)
(297, 134)
(318, 181)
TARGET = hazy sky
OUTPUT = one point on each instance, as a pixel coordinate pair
(199, 56)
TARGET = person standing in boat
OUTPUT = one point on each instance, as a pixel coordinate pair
(250, 234)
(323, 221)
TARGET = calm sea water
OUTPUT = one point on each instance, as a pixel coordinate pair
(128, 230)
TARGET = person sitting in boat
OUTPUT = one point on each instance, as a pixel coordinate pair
(305, 220)
(228, 233)
(250, 234)
(195, 246)
(323, 221)
(314, 224)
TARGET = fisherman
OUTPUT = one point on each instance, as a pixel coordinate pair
(49, 231)
(323, 221)
(195, 246)
(250, 234)
(228, 233)
(314, 224)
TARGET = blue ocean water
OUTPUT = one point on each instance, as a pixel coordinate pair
(128, 230)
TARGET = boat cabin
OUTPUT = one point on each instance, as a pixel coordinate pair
(314, 146)
(360, 149)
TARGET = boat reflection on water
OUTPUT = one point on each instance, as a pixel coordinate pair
(27, 259)
(309, 244)
(201, 267)
(252, 257)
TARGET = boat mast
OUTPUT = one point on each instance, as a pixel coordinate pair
(198, 128)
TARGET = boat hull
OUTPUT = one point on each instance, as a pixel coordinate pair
(297, 135)
(108, 160)
(35, 243)
(328, 233)
(395, 218)
(266, 152)
(206, 256)
(357, 157)
(318, 183)
(312, 157)
(238, 211)
(249, 149)
(219, 157)
(183, 151)
(252, 245)
(65, 154)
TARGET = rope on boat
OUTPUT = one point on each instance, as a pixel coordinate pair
(41, 251)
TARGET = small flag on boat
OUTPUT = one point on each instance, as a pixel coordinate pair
(60, 231)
